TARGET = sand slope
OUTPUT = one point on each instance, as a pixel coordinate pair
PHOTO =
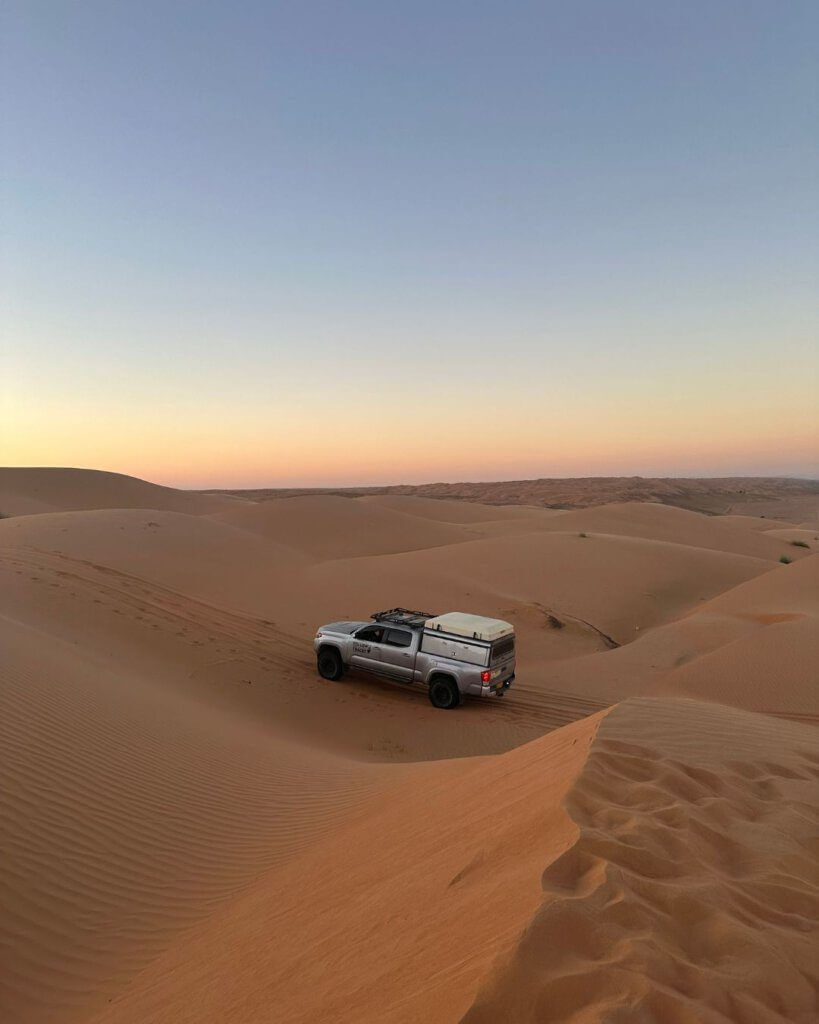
(195, 554)
(751, 522)
(627, 867)
(692, 891)
(637, 583)
(128, 813)
(767, 652)
(752, 646)
(459, 511)
(27, 491)
(327, 527)
(679, 526)
(801, 535)
(394, 919)
(247, 666)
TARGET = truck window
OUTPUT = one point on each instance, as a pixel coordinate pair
(373, 634)
(502, 648)
(398, 638)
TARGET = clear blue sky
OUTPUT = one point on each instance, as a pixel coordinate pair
(238, 234)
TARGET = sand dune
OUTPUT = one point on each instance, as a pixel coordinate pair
(244, 665)
(801, 535)
(770, 662)
(128, 814)
(788, 588)
(580, 877)
(772, 670)
(195, 554)
(196, 827)
(637, 583)
(458, 511)
(357, 528)
(29, 491)
(752, 522)
(678, 526)
(709, 653)
(690, 893)
(383, 524)
(430, 886)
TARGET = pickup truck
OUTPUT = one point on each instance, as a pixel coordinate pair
(453, 655)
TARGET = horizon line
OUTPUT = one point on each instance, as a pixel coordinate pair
(425, 483)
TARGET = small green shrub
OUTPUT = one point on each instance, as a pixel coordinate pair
(582, 535)
(800, 544)
(784, 560)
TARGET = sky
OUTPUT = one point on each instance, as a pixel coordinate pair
(287, 244)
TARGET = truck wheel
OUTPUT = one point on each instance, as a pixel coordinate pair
(329, 664)
(443, 693)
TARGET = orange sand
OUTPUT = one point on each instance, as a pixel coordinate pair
(198, 828)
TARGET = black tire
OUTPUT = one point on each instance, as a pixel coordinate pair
(443, 693)
(329, 664)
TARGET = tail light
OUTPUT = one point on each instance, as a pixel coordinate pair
(486, 676)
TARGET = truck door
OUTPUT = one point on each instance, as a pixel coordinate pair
(398, 655)
(367, 648)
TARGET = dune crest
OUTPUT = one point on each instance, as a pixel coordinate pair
(691, 892)
(394, 919)
(29, 491)
(666, 877)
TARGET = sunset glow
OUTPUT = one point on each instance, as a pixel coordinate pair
(237, 272)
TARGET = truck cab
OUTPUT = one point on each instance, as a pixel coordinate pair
(386, 650)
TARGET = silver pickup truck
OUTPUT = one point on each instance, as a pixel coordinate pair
(454, 655)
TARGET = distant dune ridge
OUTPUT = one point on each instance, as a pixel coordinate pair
(784, 497)
(195, 827)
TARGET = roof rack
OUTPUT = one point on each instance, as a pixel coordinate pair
(402, 617)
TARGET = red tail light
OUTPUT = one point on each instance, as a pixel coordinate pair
(485, 677)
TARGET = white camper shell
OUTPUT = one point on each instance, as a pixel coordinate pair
(475, 639)
(476, 627)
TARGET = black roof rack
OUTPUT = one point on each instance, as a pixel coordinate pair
(402, 617)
